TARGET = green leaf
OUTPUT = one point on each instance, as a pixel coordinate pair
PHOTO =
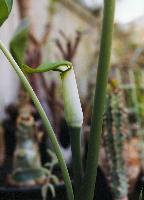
(61, 66)
(18, 44)
(5, 9)
(9, 4)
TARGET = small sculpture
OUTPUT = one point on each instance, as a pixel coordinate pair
(27, 169)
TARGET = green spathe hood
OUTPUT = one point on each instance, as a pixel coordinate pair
(72, 105)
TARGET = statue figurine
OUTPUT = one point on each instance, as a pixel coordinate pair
(27, 169)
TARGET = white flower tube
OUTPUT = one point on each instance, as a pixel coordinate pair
(72, 106)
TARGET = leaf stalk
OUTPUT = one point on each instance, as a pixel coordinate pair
(87, 191)
(45, 120)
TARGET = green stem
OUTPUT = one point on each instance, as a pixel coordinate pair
(75, 136)
(99, 100)
(45, 121)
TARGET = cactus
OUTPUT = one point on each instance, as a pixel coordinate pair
(130, 94)
(139, 73)
(114, 137)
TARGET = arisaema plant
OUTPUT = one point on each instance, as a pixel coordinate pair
(84, 183)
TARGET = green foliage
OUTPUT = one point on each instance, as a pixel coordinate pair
(5, 9)
(141, 197)
(18, 44)
(45, 190)
(53, 162)
(51, 179)
(61, 66)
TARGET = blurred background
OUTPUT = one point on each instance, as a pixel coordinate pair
(82, 15)
(66, 29)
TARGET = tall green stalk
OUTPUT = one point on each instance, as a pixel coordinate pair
(45, 121)
(75, 137)
(88, 187)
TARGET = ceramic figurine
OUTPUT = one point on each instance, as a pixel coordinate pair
(27, 169)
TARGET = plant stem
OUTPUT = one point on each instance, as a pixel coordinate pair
(45, 121)
(88, 187)
(75, 136)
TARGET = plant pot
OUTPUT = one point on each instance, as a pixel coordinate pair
(102, 191)
(9, 193)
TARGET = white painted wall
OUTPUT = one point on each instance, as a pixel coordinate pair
(8, 79)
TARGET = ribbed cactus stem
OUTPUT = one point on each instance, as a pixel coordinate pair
(138, 74)
(114, 137)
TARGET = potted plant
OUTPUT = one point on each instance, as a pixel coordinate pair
(84, 181)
